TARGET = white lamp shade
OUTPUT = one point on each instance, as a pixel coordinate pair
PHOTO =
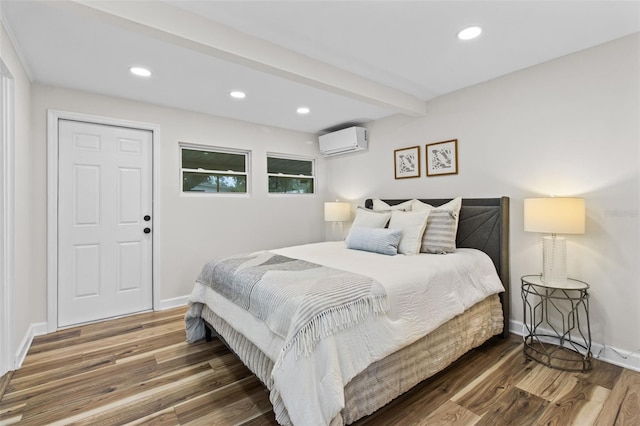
(555, 215)
(337, 212)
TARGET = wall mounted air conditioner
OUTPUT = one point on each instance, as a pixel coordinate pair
(343, 141)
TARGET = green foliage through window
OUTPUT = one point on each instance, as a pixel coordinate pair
(202, 182)
(290, 176)
(214, 171)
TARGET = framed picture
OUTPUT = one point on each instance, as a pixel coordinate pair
(407, 162)
(442, 158)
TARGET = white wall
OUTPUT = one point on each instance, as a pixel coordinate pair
(193, 228)
(22, 293)
(566, 127)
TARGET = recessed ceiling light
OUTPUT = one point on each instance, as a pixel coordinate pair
(142, 72)
(469, 33)
(238, 94)
(303, 110)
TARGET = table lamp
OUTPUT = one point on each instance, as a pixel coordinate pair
(554, 215)
(337, 212)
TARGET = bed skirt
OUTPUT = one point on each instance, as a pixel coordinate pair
(394, 375)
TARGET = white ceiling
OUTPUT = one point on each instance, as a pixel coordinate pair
(349, 61)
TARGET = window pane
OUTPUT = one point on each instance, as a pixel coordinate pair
(206, 182)
(289, 185)
(209, 160)
(288, 166)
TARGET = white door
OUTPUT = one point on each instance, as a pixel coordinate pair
(104, 222)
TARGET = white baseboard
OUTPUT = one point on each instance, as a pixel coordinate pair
(173, 303)
(37, 329)
(609, 354)
(617, 357)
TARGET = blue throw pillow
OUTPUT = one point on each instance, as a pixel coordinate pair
(376, 240)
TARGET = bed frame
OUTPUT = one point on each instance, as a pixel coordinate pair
(483, 225)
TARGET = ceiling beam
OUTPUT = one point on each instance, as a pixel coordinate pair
(177, 26)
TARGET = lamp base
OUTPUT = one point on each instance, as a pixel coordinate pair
(337, 231)
(554, 260)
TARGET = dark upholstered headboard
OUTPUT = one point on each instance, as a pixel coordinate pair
(483, 225)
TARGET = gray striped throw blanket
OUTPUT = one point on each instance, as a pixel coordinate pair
(300, 301)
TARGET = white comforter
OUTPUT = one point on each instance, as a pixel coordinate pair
(425, 291)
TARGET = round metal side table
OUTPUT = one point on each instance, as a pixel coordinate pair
(556, 330)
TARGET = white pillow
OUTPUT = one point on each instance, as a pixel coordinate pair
(453, 205)
(371, 219)
(366, 218)
(376, 240)
(412, 225)
(379, 205)
(442, 226)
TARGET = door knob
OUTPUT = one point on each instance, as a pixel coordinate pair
(147, 218)
(147, 230)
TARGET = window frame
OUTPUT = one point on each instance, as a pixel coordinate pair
(217, 149)
(313, 175)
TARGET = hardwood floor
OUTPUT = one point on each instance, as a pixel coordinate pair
(139, 370)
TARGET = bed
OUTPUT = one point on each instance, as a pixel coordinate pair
(320, 377)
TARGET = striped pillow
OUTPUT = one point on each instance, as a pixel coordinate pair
(442, 226)
(440, 235)
(376, 240)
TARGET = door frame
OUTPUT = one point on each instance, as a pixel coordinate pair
(7, 220)
(53, 117)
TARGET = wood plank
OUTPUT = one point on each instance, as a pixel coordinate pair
(602, 374)
(166, 417)
(11, 414)
(146, 374)
(488, 388)
(236, 403)
(578, 402)
(171, 394)
(102, 376)
(137, 347)
(55, 372)
(114, 327)
(183, 348)
(54, 361)
(135, 405)
(4, 383)
(514, 407)
(53, 340)
(88, 348)
(497, 347)
(80, 393)
(10, 419)
(151, 396)
(266, 419)
(450, 413)
(623, 404)
(544, 382)
(629, 413)
(111, 378)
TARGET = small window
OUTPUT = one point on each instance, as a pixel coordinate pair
(214, 170)
(290, 176)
